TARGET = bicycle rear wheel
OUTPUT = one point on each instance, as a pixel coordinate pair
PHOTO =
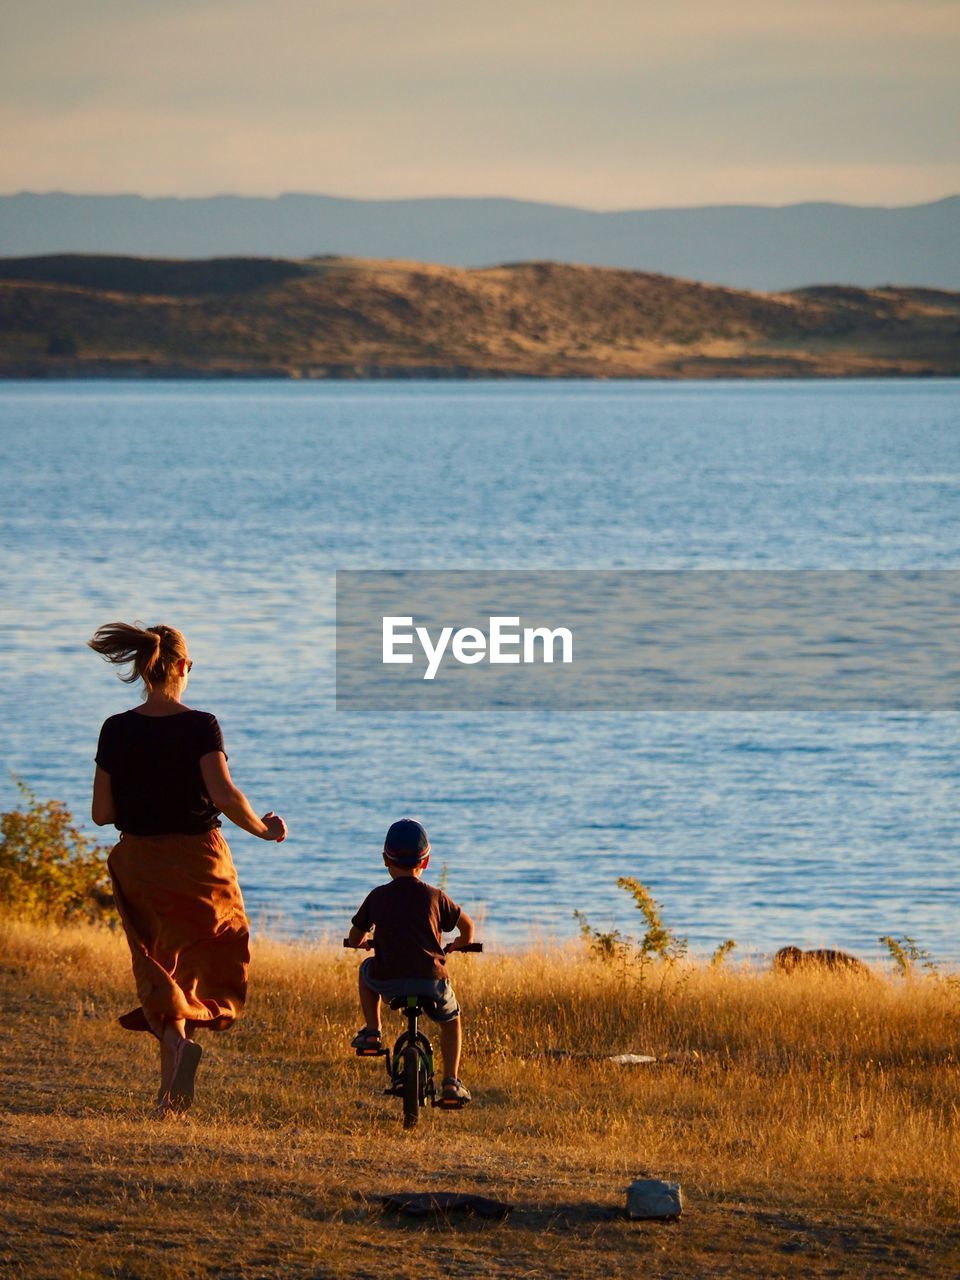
(411, 1086)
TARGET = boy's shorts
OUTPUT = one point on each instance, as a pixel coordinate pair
(439, 1000)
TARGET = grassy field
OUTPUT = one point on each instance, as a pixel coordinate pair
(811, 1120)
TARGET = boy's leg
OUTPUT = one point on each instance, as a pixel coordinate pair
(450, 1043)
(370, 1004)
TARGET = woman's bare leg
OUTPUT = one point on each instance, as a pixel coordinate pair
(174, 1030)
(167, 1057)
(170, 1033)
(184, 1057)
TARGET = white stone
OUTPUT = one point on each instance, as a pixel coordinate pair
(651, 1198)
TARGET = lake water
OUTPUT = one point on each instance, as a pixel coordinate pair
(226, 508)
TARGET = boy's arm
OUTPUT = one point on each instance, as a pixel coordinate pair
(464, 933)
(360, 926)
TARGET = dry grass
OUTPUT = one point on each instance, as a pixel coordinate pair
(353, 317)
(812, 1121)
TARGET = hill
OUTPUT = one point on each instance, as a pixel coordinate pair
(347, 318)
(742, 246)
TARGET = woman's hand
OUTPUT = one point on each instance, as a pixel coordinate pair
(230, 800)
(276, 827)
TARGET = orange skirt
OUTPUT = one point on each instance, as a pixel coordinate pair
(183, 915)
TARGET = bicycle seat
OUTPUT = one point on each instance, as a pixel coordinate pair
(407, 1002)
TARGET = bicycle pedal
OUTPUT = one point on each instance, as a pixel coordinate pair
(372, 1053)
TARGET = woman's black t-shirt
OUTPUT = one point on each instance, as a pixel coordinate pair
(154, 768)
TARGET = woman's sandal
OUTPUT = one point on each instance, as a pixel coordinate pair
(453, 1094)
(187, 1059)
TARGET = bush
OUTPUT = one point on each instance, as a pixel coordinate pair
(655, 953)
(658, 939)
(48, 870)
(906, 954)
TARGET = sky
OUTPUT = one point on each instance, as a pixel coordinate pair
(604, 104)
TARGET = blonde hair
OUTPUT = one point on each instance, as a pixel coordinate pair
(154, 651)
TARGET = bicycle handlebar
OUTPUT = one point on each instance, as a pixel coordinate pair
(368, 946)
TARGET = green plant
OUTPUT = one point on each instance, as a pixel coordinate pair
(658, 940)
(48, 870)
(721, 953)
(906, 954)
(657, 945)
(608, 947)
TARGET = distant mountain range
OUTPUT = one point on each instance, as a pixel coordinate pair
(742, 246)
(86, 316)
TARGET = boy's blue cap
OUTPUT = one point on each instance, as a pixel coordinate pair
(407, 843)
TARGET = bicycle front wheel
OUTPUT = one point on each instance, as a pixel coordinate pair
(411, 1086)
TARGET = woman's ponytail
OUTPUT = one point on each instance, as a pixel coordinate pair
(153, 651)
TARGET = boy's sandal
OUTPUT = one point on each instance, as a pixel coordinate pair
(453, 1093)
(367, 1041)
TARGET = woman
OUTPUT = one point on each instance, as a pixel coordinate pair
(162, 780)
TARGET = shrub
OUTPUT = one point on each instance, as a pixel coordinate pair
(906, 954)
(48, 870)
(658, 939)
(658, 945)
(721, 953)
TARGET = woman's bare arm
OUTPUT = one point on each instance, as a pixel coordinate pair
(103, 810)
(230, 800)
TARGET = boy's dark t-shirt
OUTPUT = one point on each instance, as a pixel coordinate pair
(154, 768)
(408, 917)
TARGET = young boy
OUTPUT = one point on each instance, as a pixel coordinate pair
(409, 916)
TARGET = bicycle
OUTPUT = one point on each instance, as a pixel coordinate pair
(410, 1065)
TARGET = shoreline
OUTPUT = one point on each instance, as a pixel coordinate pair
(744, 959)
(86, 373)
